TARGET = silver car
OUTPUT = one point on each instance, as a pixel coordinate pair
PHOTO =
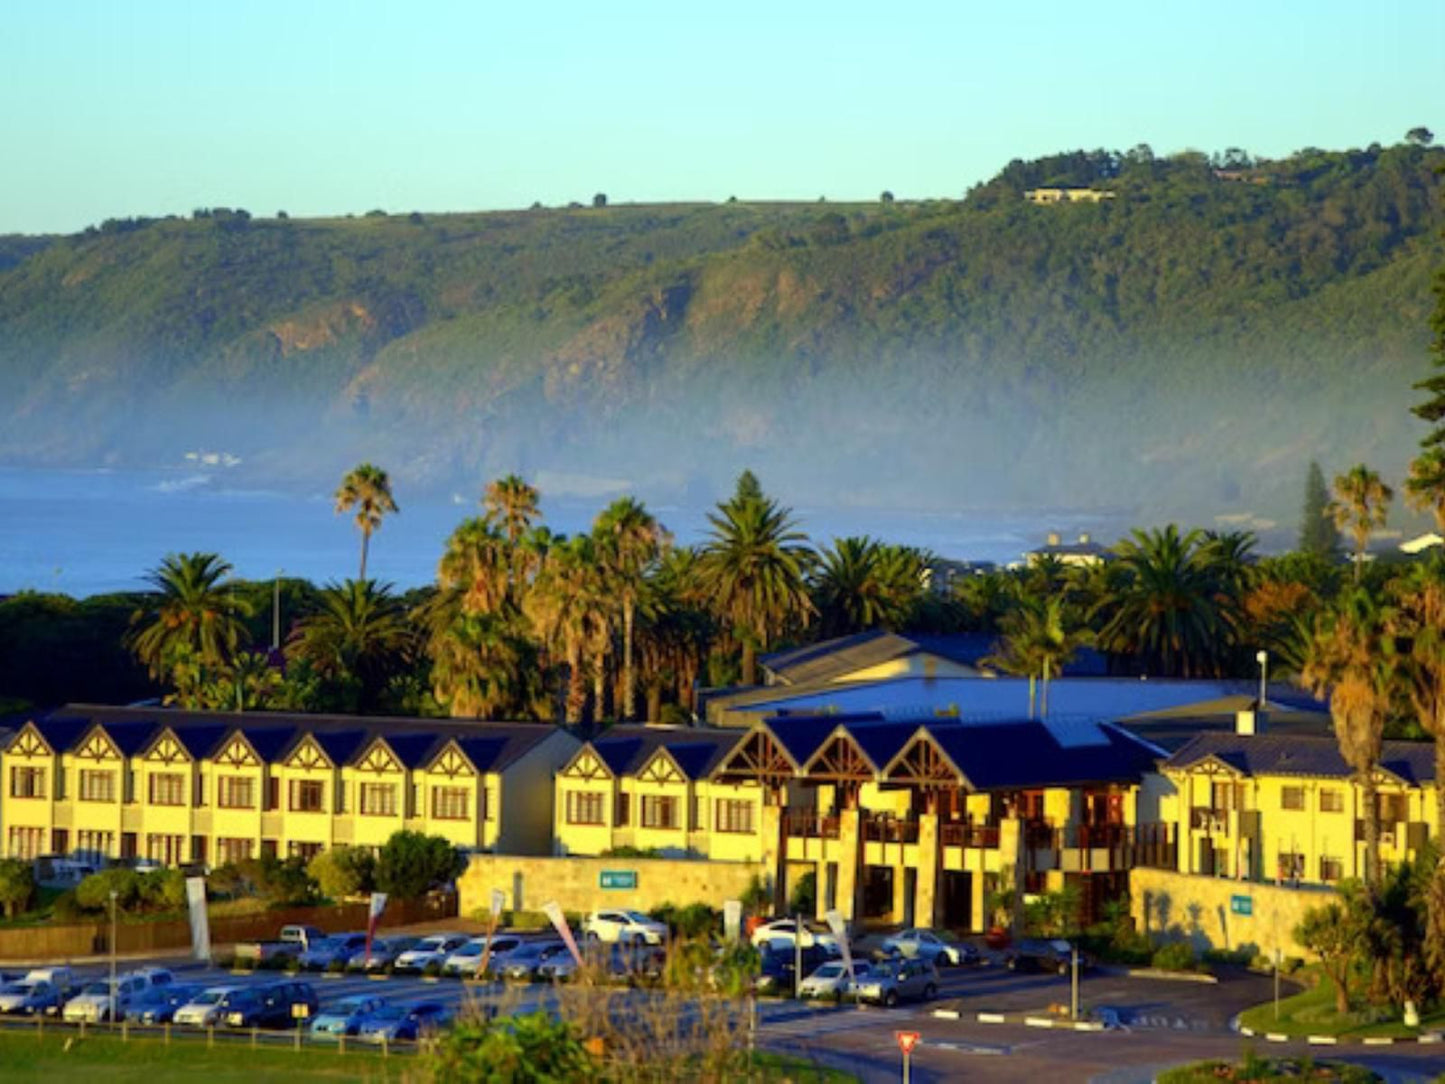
(898, 980)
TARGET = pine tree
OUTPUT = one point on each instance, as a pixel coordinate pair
(1432, 409)
(1317, 532)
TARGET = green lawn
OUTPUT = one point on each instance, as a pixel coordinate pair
(1311, 1012)
(1213, 1072)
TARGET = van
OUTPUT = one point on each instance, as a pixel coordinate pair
(63, 979)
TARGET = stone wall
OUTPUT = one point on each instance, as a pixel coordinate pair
(575, 882)
(1211, 911)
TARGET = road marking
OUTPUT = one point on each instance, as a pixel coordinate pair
(1378, 1040)
(1321, 1040)
(990, 1018)
(1275, 1037)
(1038, 1022)
(946, 1014)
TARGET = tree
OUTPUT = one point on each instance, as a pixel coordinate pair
(1417, 622)
(1425, 487)
(357, 638)
(484, 667)
(753, 573)
(1317, 533)
(861, 584)
(1041, 637)
(747, 488)
(1347, 662)
(599, 200)
(477, 565)
(1361, 503)
(1333, 932)
(1420, 136)
(410, 863)
(342, 871)
(367, 489)
(196, 614)
(886, 197)
(534, 1047)
(511, 504)
(17, 885)
(568, 607)
(1432, 409)
(629, 543)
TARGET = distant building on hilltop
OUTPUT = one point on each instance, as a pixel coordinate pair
(1084, 552)
(1067, 195)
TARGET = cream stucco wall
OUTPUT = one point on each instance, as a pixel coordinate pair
(574, 883)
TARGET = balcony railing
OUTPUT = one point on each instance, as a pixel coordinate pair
(964, 834)
(1205, 819)
(890, 830)
(807, 824)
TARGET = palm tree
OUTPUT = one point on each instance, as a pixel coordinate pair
(753, 572)
(368, 490)
(477, 565)
(196, 615)
(860, 584)
(629, 542)
(1425, 488)
(1348, 662)
(1041, 637)
(357, 637)
(674, 630)
(1417, 621)
(568, 607)
(511, 504)
(1171, 612)
(482, 667)
(1361, 503)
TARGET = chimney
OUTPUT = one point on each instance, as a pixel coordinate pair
(1054, 538)
(1251, 720)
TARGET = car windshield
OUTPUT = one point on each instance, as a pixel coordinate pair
(829, 971)
(431, 944)
(1061, 946)
(98, 988)
(389, 1012)
(636, 916)
(210, 997)
(324, 943)
(473, 949)
(16, 988)
(348, 1005)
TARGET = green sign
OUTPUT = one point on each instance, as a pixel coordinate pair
(618, 878)
(1241, 905)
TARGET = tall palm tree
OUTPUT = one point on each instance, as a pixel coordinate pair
(1348, 662)
(1361, 503)
(1041, 637)
(1417, 621)
(862, 584)
(358, 637)
(674, 630)
(1425, 488)
(196, 613)
(1170, 611)
(482, 667)
(478, 565)
(629, 542)
(568, 607)
(753, 572)
(367, 489)
(511, 504)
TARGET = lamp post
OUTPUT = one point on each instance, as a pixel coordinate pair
(111, 1010)
(1262, 657)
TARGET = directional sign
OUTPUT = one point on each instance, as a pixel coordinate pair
(907, 1040)
(617, 878)
(1241, 905)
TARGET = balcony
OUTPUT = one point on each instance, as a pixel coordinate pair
(1205, 819)
(967, 834)
(808, 824)
(890, 830)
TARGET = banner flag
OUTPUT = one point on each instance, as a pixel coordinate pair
(732, 919)
(840, 931)
(200, 924)
(553, 910)
(374, 912)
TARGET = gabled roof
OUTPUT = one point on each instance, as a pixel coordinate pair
(1413, 763)
(201, 741)
(801, 735)
(130, 738)
(626, 750)
(339, 745)
(830, 659)
(413, 750)
(270, 741)
(62, 733)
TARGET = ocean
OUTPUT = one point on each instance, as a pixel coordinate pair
(85, 532)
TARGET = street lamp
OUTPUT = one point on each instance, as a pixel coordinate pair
(113, 895)
(1262, 657)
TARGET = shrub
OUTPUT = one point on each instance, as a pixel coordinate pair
(17, 885)
(803, 900)
(1175, 956)
(533, 1047)
(93, 893)
(410, 863)
(343, 871)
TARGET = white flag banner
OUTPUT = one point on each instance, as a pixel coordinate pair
(499, 902)
(553, 910)
(835, 922)
(732, 919)
(200, 924)
(374, 912)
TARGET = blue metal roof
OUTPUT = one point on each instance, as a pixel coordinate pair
(483, 752)
(1027, 753)
(1300, 755)
(801, 735)
(269, 741)
(411, 748)
(339, 745)
(131, 737)
(61, 734)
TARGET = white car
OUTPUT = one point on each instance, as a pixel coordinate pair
(832, 980)
(99, 1002)
(206, 1009)
(624, 927)
(65, 981)
(466, 960)
(434, 949)
(786, 930)
(927, 945)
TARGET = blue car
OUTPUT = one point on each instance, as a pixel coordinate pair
(158, 1005)
(338, 948)
(345, 1017)
(401, 1022)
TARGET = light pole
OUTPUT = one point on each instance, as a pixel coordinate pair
(1074, 983)
(1262, 657)
(111, 1009)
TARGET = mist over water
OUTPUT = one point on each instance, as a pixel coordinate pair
(89, 532)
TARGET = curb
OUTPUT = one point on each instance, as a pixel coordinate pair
(1027, 1021)
(1171, 976)
(1429, 1038)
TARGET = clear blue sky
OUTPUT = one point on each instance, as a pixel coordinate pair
(119, 107)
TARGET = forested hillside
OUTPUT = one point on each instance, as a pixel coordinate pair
(1186, 346)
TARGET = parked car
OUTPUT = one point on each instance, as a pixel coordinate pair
(927, 945)
(29, 997)
(466, 961)
(1037, 955)
(291, 941)
(399, 1022)
(102, 1001)
(613, 926)
(339, 947)
(433, 949)
(206, 1009)
(522, 965)
(634, 963)
(158, 1005)
(786, 929)
(345, 1017)
(384, 951)
(284, 1003)
(558, 967)
(833, 980)
(64, 979)
(898, 980)
(778, 962)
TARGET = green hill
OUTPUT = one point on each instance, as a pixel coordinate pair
(1187, 345)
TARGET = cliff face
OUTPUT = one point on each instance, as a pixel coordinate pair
(1187, 345)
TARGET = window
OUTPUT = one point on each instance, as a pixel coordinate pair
(129, 778)
(27, 782)
(1392, 810)
(1224, 796)
(27, 842)
(167, 788)
(449, 803)
(659, 812)
(167, 850)
(1292, 798)
(198, 788)
(97, 786)
(60, 784)
(235, 792)
(304, 851)
(60, 841)
(198, 849)
(340, 805)
(306, 796)
(489, 807)
(1291, 866)
(1331, 869)
(1332, 801)
(129, 845)
(378, 799)
(733, 815)
(231, 849)
(99, 844)
(584, 808)
(273, 792)
(694, 822)
(622, 815)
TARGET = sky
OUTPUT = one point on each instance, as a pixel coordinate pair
(147, 107)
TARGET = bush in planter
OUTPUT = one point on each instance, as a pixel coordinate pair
(1175, 956)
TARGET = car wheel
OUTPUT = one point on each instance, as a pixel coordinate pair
(1063, 968)
(930, 992)
(890, 999)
